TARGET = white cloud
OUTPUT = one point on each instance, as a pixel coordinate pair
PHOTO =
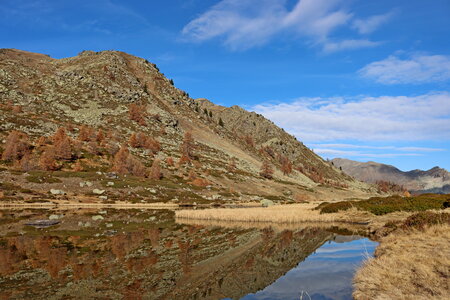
(370, 24)
(249, 23)
(348, 45)
(353, 146)
(348, 153)
(386, 118)
(416, 69)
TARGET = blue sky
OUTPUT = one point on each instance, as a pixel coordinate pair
(365, 80)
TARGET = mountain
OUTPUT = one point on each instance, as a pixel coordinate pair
(435, 180)
(117, 112)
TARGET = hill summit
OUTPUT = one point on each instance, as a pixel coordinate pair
(113, 122)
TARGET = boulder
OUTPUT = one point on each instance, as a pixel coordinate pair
(266, 203)
(57, 192)
(98, 192)
(97, 218)
(54, 217)
(86, 183)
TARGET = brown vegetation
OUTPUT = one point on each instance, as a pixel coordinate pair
(200, 182)
(266, 170)
(408, 265)
(381, 206)
(141, 140)
(86, 133)
(286, 165)
(47, 161)
(137, 113)
(155, 170)
(170, 161)
(62, 145)
(187, 147)
(16, 146)
(387, 186)
(277, 214)
(126, 163)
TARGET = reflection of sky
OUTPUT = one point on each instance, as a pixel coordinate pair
(326, 274)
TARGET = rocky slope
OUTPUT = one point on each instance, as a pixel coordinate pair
(102, 98)
(435, 180)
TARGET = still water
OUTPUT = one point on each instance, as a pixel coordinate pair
(146, 254)
(325, 274)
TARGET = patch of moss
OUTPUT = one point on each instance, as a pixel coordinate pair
(42, 177)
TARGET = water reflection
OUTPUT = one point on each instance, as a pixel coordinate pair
(144, 254)
(326, 274)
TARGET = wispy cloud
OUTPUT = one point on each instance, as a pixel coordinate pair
(330, 46)
(369, 25)
(368, 151)
(348, 153)
(414, 69)
(386, 118)
(354, 146)
(244, 24)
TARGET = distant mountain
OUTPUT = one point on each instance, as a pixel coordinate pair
(435, 180)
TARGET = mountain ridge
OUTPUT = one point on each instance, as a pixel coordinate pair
(98, 89)
(435, 180)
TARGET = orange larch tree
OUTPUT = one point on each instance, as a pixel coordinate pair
(16, 146)
(266, 170)
(155, 170)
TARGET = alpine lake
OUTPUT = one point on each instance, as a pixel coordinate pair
(146, 254)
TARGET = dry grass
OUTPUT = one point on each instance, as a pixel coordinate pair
(294, 213)
(275, 226)
(408, 265)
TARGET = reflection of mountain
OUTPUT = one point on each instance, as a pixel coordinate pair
(253, 267)
(166, 262)
(327, 274)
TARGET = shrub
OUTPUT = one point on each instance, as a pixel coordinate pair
(27, 163)
(62, 145)
(249, 141)
(266, 170)
(170, 161)
(100, 136)
(141, 140)
(17, 109)
(47, 160)
(16, 146)
(133, 141)
(286, 165)
(120, 160)
(425, 218)
(187, 147)
(77, 167)
(86, 134)
(137, 113)
(381, 206)
(155, 170)
(200, 182)
(125, 163)
(135, 167)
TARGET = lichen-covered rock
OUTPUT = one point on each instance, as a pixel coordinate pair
(98, 192)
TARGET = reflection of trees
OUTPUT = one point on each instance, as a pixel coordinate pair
(161, 263)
